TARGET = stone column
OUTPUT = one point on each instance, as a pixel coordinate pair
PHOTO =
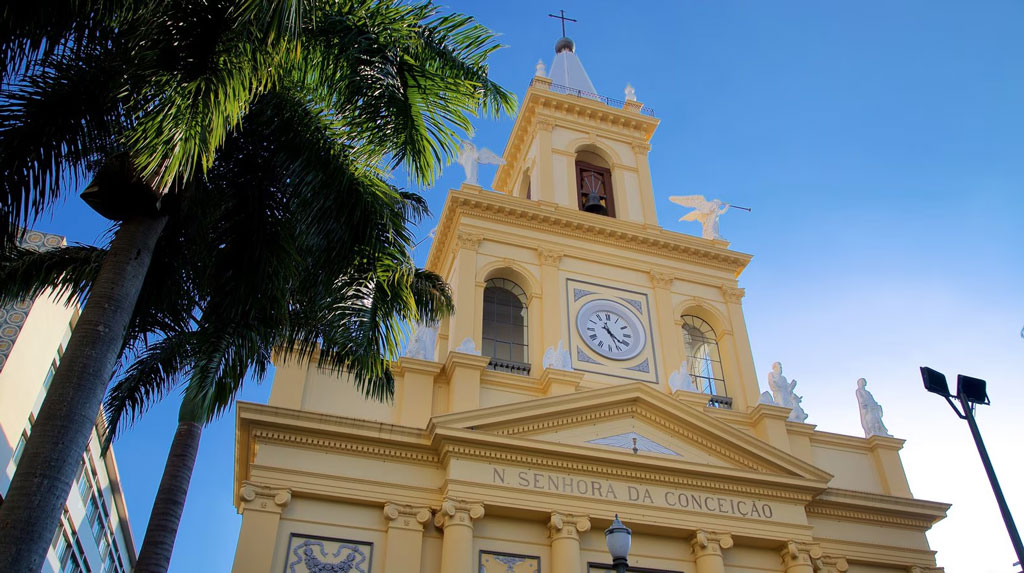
(707, 547)
(405, 536)
(261, 508)
(456, 519)
(798, 557)
(564, 530)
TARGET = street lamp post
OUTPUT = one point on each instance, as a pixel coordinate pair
(618, 538)
(970, 392)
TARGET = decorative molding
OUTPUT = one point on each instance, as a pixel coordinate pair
(316, 554)
(867, 517)
(641, 147)
(639, 413)
(795, 554)
(661, 279)
(571, 223)
(733, 294)
(465, 240)
(830, 564)
(549, 256)
(263, 497)
(562, 525)
(639, 306)
(578, 293)
(406, 516)
(710, 542)
(628, 473)
(545, 124)
(455, 511)
(584, 357)
(644, 366)
(347, 445)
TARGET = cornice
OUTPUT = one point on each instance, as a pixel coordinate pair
(877, 509)
(572, 223)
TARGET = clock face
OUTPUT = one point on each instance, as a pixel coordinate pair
(610, 329)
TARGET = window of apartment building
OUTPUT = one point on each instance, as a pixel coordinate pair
(19, 449)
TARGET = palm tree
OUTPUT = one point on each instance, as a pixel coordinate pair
(141, 96)
(241, 238)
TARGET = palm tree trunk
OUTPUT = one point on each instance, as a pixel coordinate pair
(31, 512)
(155, 555)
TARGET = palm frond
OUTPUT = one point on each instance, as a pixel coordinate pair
(67, 271)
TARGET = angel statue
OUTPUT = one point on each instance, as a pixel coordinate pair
(707, 212)
(470, 159)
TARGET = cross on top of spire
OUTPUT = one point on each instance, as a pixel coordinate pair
(563, 19)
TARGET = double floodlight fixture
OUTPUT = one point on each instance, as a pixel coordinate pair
(970, 392)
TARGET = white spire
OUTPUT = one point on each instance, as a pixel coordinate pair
(567, 70)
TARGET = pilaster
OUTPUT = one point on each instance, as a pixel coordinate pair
(545, 161)
(770, 425)
(707, 549)
(799, 557)
(643, 171)
(886, 454)
(670, 333)
(414, 390)
(261, 508)
(564, 530)
(405, 536)
(456, 518)
(463, 374)
(743, 390)
(464, 289)
(551, 325)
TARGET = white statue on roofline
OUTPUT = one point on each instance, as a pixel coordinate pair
(870, 412)
(784, 393)
(423, 341)
(470, 158)
(558, 358)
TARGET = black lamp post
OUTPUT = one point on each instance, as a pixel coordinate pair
(971, 392)
(618, 538)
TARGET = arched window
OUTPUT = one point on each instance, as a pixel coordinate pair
(504, 329)
(702, 358)
(594, 184)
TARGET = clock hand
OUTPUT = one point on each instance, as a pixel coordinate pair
(609, 331)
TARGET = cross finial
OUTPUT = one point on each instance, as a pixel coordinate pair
(563, 19)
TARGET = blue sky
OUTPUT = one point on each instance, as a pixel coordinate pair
(880, 147)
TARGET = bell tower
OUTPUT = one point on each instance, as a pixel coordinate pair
(563, 274)
(575, 148)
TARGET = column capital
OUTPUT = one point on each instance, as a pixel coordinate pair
(795, 554)
(830, 564)
(640, 147)
(466, 240)
(458, 512)
(550, 256)
(406, 516)
(733, 294)
(262, 497)
(545, 124)
(661, 279)
(710, 542)
(567, 525)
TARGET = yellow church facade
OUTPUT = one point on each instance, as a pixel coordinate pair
(596, 365)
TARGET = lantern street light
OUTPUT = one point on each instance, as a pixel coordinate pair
(971, 392)
(618, 538)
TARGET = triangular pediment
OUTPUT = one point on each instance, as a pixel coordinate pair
(602, 424)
